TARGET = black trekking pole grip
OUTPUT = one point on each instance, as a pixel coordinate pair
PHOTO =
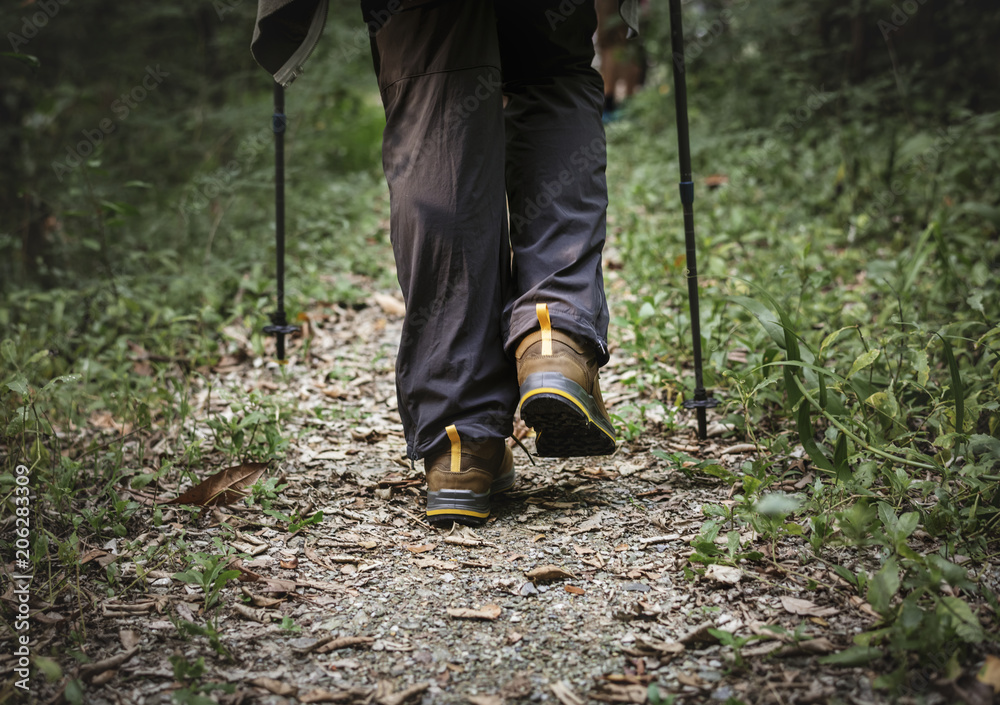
(701, 401)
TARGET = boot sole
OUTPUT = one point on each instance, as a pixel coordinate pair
(566, 419)
(465, 506)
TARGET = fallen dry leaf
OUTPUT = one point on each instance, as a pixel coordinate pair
(545, 573)
(321, 695)
(279, 586)
(725, 574)
(490, 612)
(805, 608)
(106, 422)
(276, 687)
(255, 615)
(344, 642)
(92, 554)
(564, 694)
(699, 635)
(50, 617)
(366, 434)
(965, 689)
(89, 670)
(664, 649)
(224, 487)
(485, 700)
(990, 673)
(421, 548)
(462, 541)
(105, 561)
(650, 540)
(864, 607)
(385, 696)
(259, 601)
(821, 645)
(103, 678)
(128, 638)
(389, 304)
(639, 610)
(691, 679)
(435, 563)
(619, 693)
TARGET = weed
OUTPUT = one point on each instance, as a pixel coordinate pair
(194, 692)
(236, 433)
(210, 573)
(655, 697)
(295, 521)
(264, 492)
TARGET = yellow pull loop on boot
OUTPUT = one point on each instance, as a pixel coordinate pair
(462, 480)
(456, 448)
(542, 311)
(560, 393)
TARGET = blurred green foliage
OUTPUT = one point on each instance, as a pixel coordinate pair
(848, 248)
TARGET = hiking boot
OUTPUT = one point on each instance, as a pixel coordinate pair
(560, 394)
(461, 481)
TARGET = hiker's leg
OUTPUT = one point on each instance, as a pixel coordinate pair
(438, 67)
(556, 161)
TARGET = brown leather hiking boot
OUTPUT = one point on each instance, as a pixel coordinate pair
(461, 481)
(560, 394)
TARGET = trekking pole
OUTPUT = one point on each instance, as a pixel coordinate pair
(279, 325)
(701, 400)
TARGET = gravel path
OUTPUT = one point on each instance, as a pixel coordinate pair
(578, 590)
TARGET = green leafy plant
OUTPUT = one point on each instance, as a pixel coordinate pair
(264, 492)
(209, 630)
(237, 434)
(655, 697)
(194, 692)
(295, 521)
(210, 573)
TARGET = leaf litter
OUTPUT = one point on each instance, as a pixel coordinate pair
(580, 588)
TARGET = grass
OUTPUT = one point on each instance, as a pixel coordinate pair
(848, 328)
(845, 319)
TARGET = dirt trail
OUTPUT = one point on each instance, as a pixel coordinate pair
(578, 590)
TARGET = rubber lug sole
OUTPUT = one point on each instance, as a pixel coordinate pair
(465, 506)
(566, 419)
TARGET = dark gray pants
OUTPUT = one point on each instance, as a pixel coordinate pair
(451, 154)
